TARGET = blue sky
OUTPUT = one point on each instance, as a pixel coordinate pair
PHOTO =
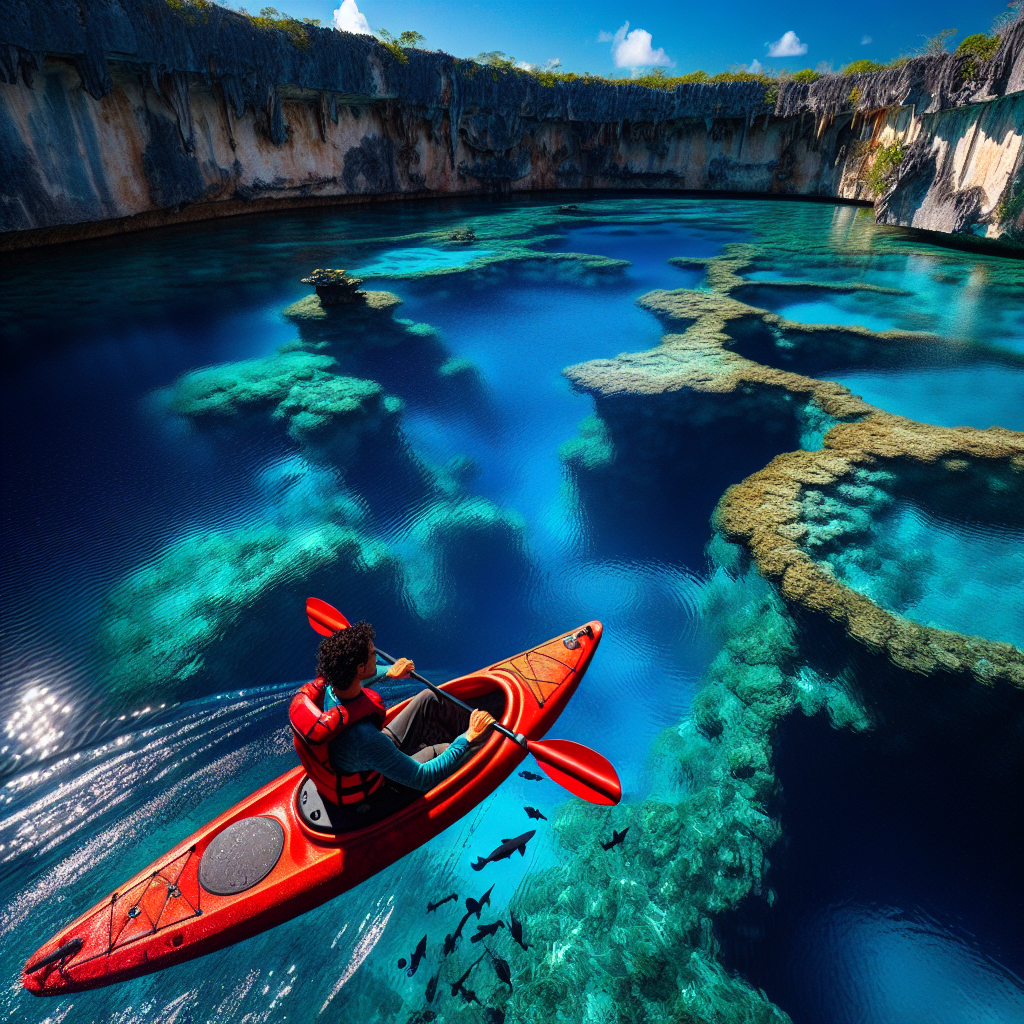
(680, 35)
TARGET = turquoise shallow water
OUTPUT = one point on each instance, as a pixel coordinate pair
(114, 487)
(960, 576)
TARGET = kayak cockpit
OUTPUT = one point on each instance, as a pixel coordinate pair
(324, 816)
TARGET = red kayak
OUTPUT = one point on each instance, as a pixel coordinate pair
(277, 854)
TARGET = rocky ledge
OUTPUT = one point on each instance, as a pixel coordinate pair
(118, 115)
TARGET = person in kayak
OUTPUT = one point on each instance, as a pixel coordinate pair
(356, 761)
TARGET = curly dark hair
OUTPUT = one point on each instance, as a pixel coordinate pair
(338, 657)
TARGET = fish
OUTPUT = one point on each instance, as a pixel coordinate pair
(515, 929)
(450, 941)
(458, 984)
(469, 995)
(507, 848)
(502, 970)
(477, 906)
(616, 838)
(431, 907)
(432, 987)
(417, 955)
(532, 812)
(532, 776)
(483, 930)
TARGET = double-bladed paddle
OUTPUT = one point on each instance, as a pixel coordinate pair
(582, 771)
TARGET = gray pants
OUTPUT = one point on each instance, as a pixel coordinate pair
(427, 724)
(423, 729)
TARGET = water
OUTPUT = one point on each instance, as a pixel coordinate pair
(136, 538)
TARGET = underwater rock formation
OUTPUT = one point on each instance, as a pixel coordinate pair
(631, 931)
(213, 611)
(213, 115)
(357, 512)
(778, 513)
(330, 415)
(335, 287)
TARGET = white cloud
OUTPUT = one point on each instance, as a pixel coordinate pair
(551, 64)
(865, 41)
(348, 18)
(755, 66)
(633, 49)
(788, 46)
(604, 37)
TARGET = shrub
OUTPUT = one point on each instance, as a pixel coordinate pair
(807, 76)
(976, 49)
(270, 19)
(1011, 203)
(980, 45)
(883, 170)
(860, 67)
(191, 10)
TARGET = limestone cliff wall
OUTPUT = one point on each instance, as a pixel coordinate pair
(118, 114)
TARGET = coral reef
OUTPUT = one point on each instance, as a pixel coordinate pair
(330, 415)
(326, 524)
(778, 512)
(214, 609)
(631, 932)
(634, 929)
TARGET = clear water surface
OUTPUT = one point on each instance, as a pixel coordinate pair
(106, 479)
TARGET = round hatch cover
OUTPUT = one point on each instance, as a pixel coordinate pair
(242, 855)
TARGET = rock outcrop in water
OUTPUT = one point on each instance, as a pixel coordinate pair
(120, 115)
(215, 607)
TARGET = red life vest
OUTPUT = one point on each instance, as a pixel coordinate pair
(313, 729)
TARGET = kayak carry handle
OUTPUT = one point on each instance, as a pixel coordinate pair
(70, 948)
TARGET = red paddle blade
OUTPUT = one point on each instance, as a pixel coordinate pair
(579, 769)
(324, 618)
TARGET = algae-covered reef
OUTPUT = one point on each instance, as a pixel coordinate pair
(814, 609)
(215, 608)
(121, 114)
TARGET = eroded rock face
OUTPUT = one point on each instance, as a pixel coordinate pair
(228, 118)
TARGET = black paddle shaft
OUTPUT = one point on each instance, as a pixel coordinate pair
(521, 740)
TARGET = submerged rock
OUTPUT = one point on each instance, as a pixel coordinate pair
(335, 287)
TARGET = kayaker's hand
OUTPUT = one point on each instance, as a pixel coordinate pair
(402, 669)
(479, 722)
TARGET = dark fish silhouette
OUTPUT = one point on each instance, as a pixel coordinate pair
(476, 906)
(532, 812)
(502, 970)
(515, 929)
(450, 941)
(616, 838)
(532, 776)
(432, 987)
(469, 995)
(507, 848)
(417, 955)
(483, 930)
(422, 1017)
(458, 984)
(431, 907)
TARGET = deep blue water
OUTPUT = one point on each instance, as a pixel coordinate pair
(106, 478)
